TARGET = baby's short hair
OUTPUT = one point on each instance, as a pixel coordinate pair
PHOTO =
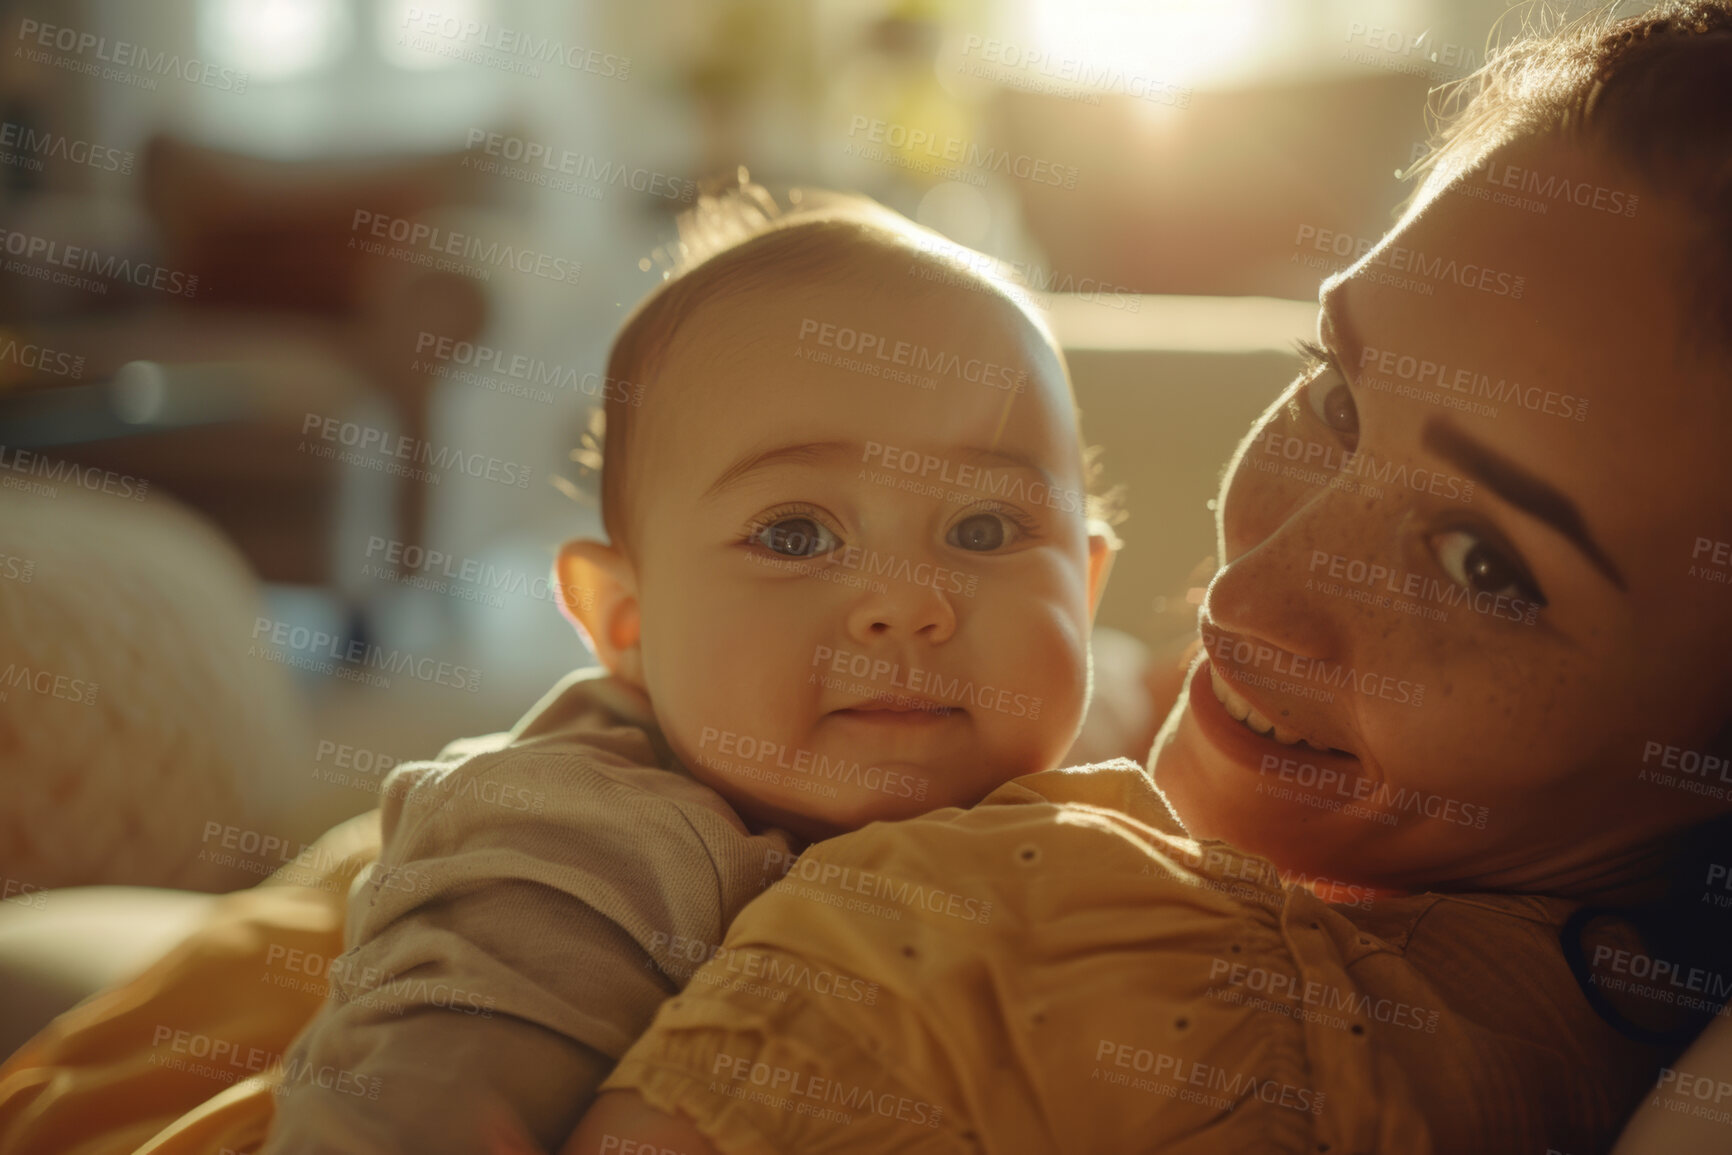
(736, 238)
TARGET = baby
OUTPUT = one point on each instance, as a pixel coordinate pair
(850, 576)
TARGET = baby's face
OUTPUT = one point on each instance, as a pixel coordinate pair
(862, 597)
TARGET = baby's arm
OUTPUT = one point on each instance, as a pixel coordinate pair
(439, 1089)
(500, 957)
(430, 1061)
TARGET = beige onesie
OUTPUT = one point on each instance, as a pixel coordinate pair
(539, 894)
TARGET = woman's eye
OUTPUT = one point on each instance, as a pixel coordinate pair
(1331, 402)
(795, 537)
(1327, 393)
(979, 531)
(1473, 562)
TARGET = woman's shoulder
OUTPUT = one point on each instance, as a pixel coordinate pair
(1443, 924)
(1104, 836)
(1120, 785)
(1116, 798)
(1095, 843)
(1105, 817)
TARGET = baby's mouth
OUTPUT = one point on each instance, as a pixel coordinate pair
(899, 711)
(1252, 719)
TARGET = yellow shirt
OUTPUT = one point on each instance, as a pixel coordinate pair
(1061, 969)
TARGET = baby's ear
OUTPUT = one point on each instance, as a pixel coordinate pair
(1103, 544)
(598, 595)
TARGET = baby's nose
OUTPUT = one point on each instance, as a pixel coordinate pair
(905, 610)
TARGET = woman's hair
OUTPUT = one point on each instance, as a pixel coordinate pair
(735, 239)
(1653, 92)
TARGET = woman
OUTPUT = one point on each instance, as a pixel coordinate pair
(1485, 717)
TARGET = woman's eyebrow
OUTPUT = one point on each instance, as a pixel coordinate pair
(1520, 488)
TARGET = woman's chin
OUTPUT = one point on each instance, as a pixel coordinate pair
(1217, 798)
(1194, 787)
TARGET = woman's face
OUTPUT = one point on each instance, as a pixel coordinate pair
(1464, 573)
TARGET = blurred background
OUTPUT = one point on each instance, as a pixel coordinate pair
(304, 305)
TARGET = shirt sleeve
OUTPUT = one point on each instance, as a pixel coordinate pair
(1041, 978)
(502, 954)
(420, 1082)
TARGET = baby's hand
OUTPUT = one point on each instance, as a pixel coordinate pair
(505, 1136)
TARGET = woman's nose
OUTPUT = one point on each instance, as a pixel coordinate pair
(1274, 475)
(1260, 594)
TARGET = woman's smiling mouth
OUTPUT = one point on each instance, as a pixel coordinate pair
(1243, 711)
(1248, 716)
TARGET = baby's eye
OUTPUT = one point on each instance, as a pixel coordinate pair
(795, 537)
(1472, 561)
(982, 532)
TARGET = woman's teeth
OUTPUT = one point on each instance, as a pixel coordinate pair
(1244, 712)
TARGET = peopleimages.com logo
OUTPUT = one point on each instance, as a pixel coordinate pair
(352, 659)
(917, 358)
(1433, 267)
(1711, 560)
(29, 464)
(500, 46)
(533, 372)
(1178, 1077)
(445, 249)
(132, 64)
(1067, 77)
(405, 453)
(1381, 801)
(906, 141)
(744, 753)
(47, 684)
(1422, 378)
(1376, 584)
(48, 259)
(38, 145)
(544, 165)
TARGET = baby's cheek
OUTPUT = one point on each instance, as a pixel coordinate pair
(1038, 668)
(695, 709)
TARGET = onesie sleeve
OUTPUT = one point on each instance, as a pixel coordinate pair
(514, 937)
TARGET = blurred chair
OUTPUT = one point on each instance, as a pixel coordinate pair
(291, 310)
